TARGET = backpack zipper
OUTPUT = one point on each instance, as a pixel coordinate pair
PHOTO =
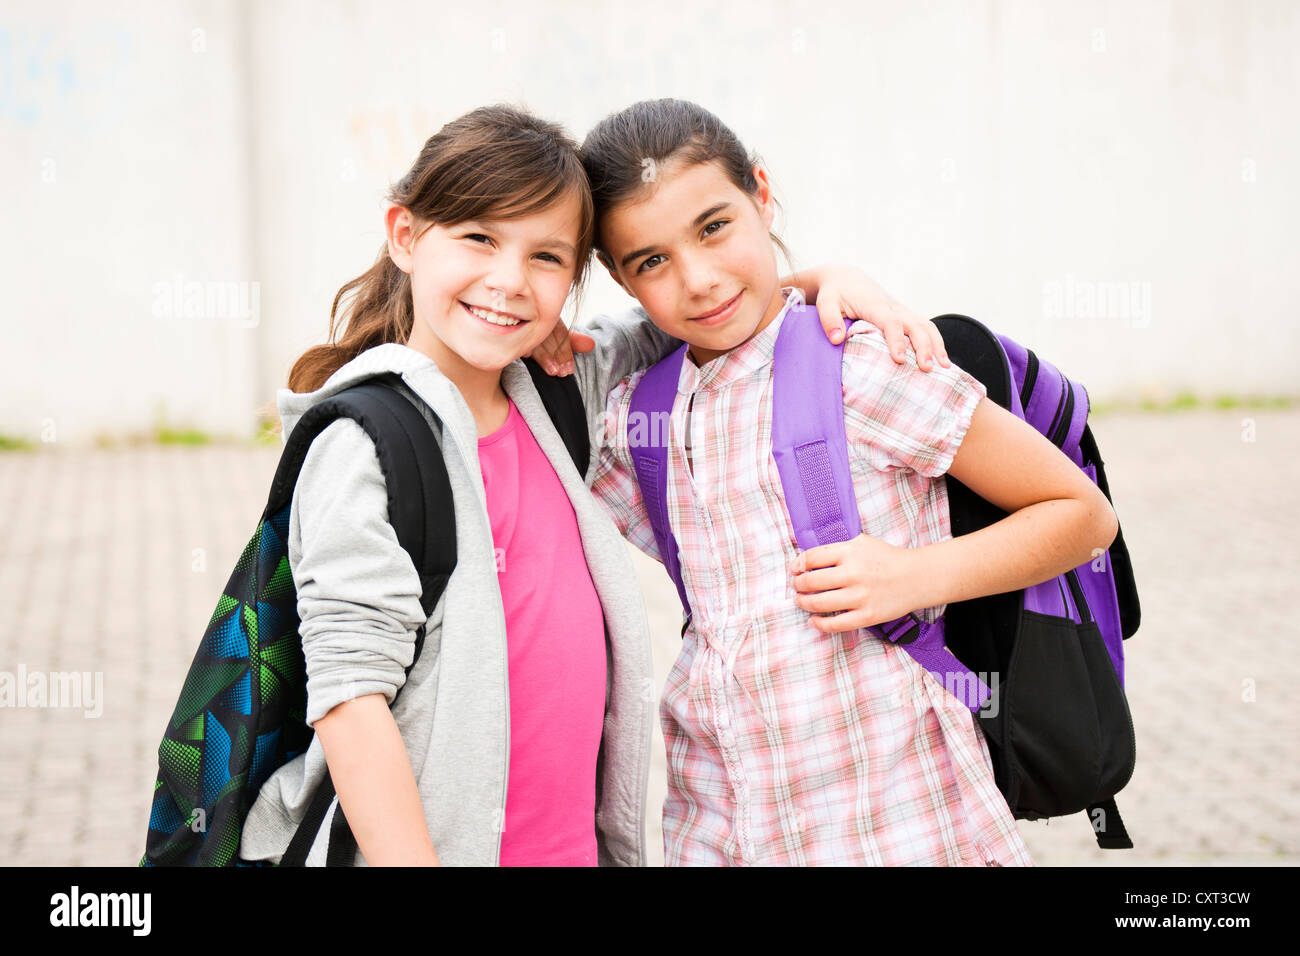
(1031, 376)
(1063, 426)
(1080, 599)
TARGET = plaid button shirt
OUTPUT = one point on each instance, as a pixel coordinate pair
(787, 746)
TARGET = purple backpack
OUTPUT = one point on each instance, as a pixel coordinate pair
(1042, 669)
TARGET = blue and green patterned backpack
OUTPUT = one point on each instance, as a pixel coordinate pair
(242, 710)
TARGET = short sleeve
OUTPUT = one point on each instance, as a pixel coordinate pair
(615, 485)
(898, 416)
(358, 590)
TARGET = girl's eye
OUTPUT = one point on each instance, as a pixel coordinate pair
(709, 230)
(479, 238)
(642, 267)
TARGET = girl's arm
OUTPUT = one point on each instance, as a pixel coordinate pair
(843, 291)
(359, 608)
(837, 291)
(1058, 520)
(376, 786)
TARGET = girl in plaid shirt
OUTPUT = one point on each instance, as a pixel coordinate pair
(793, 735)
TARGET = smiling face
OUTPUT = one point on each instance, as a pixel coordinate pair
(486, 293)
(694, 250)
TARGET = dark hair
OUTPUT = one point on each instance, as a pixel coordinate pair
(616, 152)
(496, 162)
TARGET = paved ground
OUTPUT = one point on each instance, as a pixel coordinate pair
(111, 562)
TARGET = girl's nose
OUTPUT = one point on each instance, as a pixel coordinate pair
(698, 277)
(506, 279)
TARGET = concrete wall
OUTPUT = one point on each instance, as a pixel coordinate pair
(187, 184)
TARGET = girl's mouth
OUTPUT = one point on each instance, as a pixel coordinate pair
(720, 315)
(493, 320)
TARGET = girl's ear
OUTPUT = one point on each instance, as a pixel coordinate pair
(763, 197)
(400, 225)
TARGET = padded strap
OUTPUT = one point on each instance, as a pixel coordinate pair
(648, 444)
(810, 445)
(296, 854)
(419, 491)
(422, 513)
(563, 402)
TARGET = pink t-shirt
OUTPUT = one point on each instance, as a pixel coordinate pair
(555, 634)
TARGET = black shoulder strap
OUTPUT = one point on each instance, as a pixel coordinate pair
(421, 511)
(563, 403)
(419, 491)
(975, 350)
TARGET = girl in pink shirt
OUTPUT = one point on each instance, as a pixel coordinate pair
(487, 235)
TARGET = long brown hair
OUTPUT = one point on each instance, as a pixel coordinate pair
(495, 162)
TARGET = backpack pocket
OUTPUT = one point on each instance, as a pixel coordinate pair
(1068, 733)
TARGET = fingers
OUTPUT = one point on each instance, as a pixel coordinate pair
(831, 313)
(553, 352)
(838, 623)
(926, 341)
(924, 352)
(563, 352)
(895, 334)
(829, 602)
(939, 348)
(824, 556)
(823, 579)
(581, 342)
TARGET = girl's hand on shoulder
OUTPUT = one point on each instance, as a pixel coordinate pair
(555, 353)
(846, 291)
(856, 583)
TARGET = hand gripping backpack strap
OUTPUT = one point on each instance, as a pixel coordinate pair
(652, 403)
(810, 446)
(422, 514)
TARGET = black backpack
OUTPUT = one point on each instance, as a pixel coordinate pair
(1060, 737)
(242, 710)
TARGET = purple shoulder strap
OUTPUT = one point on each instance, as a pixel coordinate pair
(811, 450)
(647, 439)
(1046, 399)
(810, 447)
(1058, 407)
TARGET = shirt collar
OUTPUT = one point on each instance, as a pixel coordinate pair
(736, 364)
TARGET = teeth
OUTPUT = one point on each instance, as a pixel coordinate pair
(493, 317)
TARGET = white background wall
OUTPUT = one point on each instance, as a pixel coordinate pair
(999, 158)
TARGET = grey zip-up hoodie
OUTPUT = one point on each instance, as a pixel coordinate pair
(359, 604)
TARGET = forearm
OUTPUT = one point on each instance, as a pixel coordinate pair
(809, 280)
(1066, 532)
(625, 343)
(372, 773)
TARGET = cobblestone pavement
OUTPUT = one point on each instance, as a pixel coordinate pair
(112, 560)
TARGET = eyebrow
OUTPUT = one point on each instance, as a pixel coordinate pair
(699, 221)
